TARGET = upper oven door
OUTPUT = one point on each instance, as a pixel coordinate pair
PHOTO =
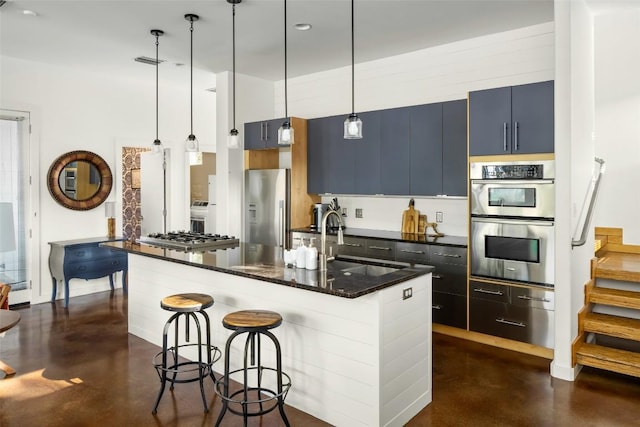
(514, 198)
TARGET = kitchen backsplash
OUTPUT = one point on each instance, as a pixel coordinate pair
(385, 213)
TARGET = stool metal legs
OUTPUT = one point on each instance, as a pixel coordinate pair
(222, 385)
(188, 368)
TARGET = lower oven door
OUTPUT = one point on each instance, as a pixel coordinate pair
(198, 224)
(513, 249)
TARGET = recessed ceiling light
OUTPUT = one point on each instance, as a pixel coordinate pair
(302, 27)
(29, 12)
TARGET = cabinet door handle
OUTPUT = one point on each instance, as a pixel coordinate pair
(528, 298)
(510, 322)
(447, 255)
(515, 136)
(380, 248)
(407, 251)
(511, 269)
(504, 136)
(486, 291)
(436, 276)
(436, 307)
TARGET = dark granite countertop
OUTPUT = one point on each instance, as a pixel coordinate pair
(459, 241)
(266, 263)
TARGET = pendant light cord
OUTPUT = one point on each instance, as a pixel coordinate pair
(191, 75)
(285, 62)
(157, 43)
(233, 38)
(353, 106)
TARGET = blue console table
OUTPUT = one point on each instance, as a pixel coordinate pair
(85, 259)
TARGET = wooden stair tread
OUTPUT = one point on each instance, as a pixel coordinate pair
(615, 297)
(615, 326)
(611, 359)
(619, 266)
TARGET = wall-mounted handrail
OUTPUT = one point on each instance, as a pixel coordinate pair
(595, 183)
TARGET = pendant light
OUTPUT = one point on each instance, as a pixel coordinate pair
(285, 132)
(191, 143)
(233, 140)
(157, 148)
(352, 124)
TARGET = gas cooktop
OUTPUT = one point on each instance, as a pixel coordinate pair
(187, 240)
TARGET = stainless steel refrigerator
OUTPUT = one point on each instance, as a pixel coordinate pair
(267, 207)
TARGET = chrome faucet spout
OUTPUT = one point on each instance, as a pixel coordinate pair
(323, 238)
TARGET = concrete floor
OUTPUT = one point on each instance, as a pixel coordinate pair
(79, 367)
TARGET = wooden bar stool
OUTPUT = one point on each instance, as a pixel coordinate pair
(253, 399)
(187, 305)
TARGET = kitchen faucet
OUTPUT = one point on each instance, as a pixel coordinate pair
(323, 238)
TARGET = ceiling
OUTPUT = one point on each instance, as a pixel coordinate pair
(105, 36)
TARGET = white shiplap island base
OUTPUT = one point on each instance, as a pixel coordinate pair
(362, 361)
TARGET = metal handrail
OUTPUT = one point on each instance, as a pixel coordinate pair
(595, 181)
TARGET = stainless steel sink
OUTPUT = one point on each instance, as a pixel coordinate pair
(347, 268)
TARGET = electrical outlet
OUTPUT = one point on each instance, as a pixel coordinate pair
(358, 213)
(439, 216)
(344, 212)
(407, 293)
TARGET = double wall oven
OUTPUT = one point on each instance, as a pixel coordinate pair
(512, 221)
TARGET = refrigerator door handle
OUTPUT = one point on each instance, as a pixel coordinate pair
(281, 224)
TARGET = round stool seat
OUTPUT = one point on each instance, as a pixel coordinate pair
(186, 303)
(252, 319)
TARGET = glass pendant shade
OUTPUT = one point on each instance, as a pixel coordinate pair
(233, 139)
(353, 127)
(191, 144)
(285, 134)
(156, 148)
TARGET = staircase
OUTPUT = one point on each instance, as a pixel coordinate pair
(611, 341)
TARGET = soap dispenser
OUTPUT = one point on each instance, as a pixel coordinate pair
(301, 255)
(312, 256)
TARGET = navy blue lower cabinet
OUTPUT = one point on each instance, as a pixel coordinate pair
(85, 259)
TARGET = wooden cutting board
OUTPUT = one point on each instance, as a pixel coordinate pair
(410, 220)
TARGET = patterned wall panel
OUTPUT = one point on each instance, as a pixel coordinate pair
(131, 214)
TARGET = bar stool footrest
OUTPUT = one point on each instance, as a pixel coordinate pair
(272, 396)
(189, 370)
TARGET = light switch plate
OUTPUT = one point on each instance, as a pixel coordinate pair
(439, 216)
(358, 213)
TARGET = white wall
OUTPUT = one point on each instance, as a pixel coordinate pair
(441, 73)
(574, 158)
(254, 101)
(97, 112)
(617, 109)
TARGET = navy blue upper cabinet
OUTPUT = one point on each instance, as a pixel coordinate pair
(454, 148)
(367, 154)
(425, 164)
(317, 156)
(512, 120)
(263, 134)
(409, 151)
(395, 151)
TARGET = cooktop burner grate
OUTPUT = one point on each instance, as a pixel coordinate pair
(187, 240)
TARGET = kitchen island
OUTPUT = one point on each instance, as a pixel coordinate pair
(356, 345)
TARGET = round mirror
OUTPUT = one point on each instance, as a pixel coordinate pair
(79, 180)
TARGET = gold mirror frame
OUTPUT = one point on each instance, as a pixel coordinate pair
(106, 180)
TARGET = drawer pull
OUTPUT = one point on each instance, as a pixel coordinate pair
(356, 245)
(412, 252)
(436, 307)
(380, 248)
(511, 323)
(511, 269)
(436, 276)
(447, 255)
(486, 291)
(528, 298)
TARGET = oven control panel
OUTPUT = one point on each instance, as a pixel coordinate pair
(512, 172)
